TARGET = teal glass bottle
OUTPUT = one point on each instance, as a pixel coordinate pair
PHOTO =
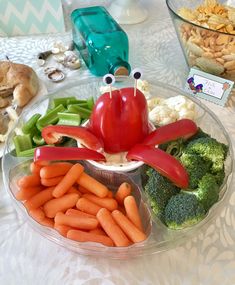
(102, 43)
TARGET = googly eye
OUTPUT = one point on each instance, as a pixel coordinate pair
(136, 73)
(109, 79)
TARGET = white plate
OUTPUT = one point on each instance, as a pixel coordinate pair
(41, 92)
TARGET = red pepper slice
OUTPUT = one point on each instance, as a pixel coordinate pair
(54, 134)
(184, 128)
(66, 153)
(162, 162)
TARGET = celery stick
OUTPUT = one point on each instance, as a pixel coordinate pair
(30, 126)
(50, 118)
(69, 119)
(76, 101)
(38, 140)
(90, 103)
(22, 143)
(84, 113)
(61, 101)
(27, 153)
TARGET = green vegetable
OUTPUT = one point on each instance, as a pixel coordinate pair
(90, 103)
(50, 118)
(196, 168)
(27, 153)
(38, 140)
(22, 143)
(183, 210)
(83, 112)
(158, 190)
(208, 191)
(76, 102)
(30, 126)
(203, 157)
(219, 177)
(210, 150)
(69, 119)
(61, 101)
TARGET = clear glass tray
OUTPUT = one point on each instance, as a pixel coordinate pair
(160, 238)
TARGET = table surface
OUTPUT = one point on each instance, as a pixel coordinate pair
(208, 258)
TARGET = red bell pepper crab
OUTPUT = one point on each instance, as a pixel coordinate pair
(120, 124)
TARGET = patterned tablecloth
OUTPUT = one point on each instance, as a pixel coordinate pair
(209, 258)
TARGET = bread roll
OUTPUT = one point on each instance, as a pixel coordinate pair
(18, 80)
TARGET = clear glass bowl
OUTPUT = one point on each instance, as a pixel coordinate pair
(160, 238)
(206, 49)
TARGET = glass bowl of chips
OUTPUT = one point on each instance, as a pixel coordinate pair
(206, 31)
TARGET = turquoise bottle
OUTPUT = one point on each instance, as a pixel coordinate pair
(102, 43)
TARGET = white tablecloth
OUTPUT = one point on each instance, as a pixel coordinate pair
(208, 258)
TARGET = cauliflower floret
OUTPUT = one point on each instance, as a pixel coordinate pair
(162, 115)
(143, 86)
(179, 102)
(186, 114)
(153, 102)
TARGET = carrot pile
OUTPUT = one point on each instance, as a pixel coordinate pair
(62, 196)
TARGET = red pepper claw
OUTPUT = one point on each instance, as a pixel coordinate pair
(184, 128)
(162, 162)
(66, 153)
(54, 134)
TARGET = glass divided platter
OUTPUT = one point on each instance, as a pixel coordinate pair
(160, 238)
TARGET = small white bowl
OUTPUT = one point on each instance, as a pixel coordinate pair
(123, 166)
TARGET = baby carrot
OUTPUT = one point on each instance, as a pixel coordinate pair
(108, 203)
(110, 194)
(73, 212)
(98, 231)
(29, 181)
(133, 233)
(83, 190)
(62, 229)
(121, 209)
(89, 237)
(35, 168)
(37, 214)
(76, 222)
(55, 169)
(47, 222)
(74, 190)
(69, 179)
(48, 182)
(39, 199)
(85, 205)
(27, 193)
(123, 191)
(132, 212)
(62, 204)
(111, 228)
(42, 162)
(93, 185)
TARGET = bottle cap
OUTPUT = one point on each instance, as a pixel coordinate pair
(121, 71)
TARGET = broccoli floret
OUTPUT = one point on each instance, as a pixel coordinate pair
(210, 150)
(219, 177)
(208, 191)
(159, 190)
(183, 210)
(196, 168)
